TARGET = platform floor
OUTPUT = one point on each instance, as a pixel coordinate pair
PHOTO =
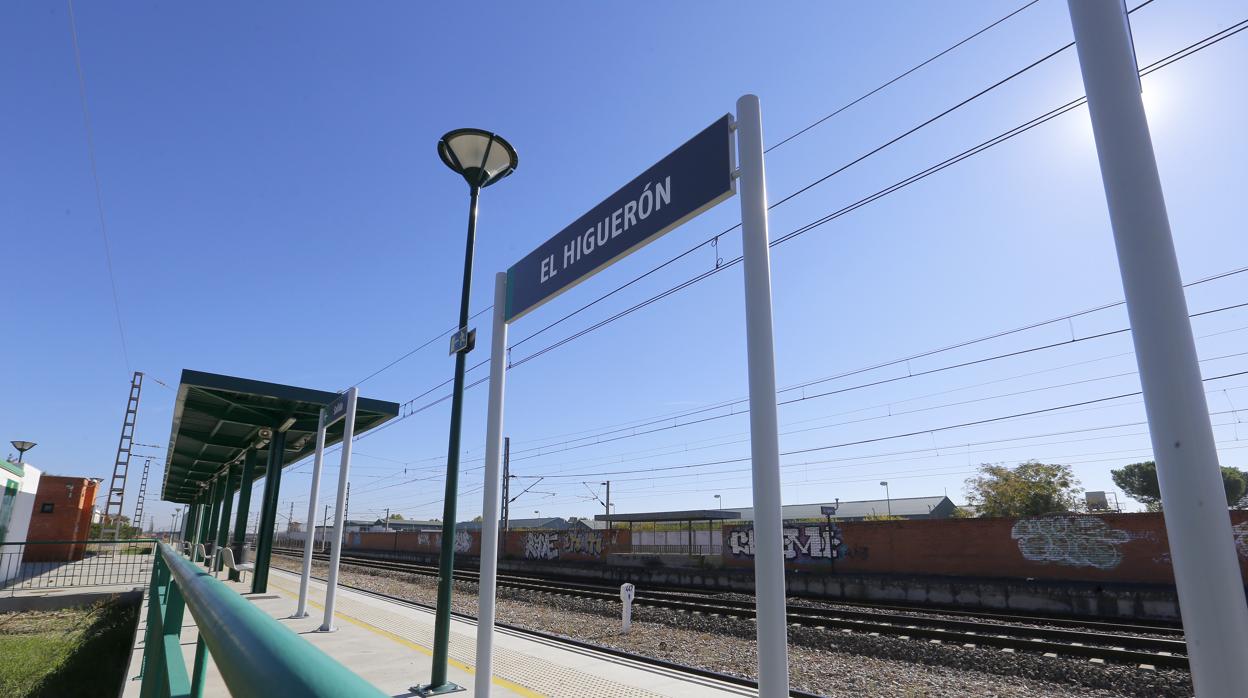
(389, 644)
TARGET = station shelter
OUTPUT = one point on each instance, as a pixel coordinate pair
(228, 433)
(676, 533)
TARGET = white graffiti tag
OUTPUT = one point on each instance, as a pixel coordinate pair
(463, 541)
(1077, 541)
(800, 542)
(541, 546)
(741, 541)
(1241, 538)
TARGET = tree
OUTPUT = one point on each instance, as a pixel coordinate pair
(396, 517)
(1031, 489)
(1139, 481)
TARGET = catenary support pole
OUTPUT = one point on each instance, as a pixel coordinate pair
(489, 506)
(301, 610)
(1206, 570)
(244, 503)
(773, 650)
(214, 519)
(340, 509)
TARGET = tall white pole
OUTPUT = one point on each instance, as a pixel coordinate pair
(489, 505)
(769, 589)
(1198, 526)
(301, 611)
(344, 472)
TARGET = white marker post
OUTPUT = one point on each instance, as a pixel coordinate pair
(1206, 569)
(344, 472)
(486, 588)
(301, 611)
(627, 591)
(769, 584)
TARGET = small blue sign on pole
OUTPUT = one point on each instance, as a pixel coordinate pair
(690, 180)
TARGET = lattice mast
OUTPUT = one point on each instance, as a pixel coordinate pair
(138, 505)
(121, 467)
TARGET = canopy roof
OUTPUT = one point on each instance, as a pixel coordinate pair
(216, 419)
(693, 515)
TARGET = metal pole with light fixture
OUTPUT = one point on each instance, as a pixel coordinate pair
(22, 447)
(340, 508)
(1207, 573)
(481, 158)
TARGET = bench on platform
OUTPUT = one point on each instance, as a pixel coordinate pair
(242, 567)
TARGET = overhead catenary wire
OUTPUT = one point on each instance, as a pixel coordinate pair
(95, 179)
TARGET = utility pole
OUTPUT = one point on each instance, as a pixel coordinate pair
(506, 483)
(607, 503)
(290, 520)
(346, 507)
(387, 518)
(325, 528)
(121, 465)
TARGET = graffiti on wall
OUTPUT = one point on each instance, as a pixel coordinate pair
(802, 542)
(551, 545)
(463, 541)
(541, 545)
(1076, 541)
(1241, 538)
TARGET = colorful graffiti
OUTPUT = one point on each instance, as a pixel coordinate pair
(801, 542)
(541, 545)
(1075, 541)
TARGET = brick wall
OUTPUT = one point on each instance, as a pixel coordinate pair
(1106, 547)
(63, 508)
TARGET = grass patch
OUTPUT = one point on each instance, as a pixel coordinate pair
(70, 652)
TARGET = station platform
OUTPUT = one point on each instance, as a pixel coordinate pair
(389, 645)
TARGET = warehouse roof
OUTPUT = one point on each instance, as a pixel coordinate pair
(217, 418)
(690, 515)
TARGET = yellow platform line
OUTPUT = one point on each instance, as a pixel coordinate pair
(496, 680)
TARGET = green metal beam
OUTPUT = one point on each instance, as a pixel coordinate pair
(244, 504)
(268, 513)
(214, 514)
(227, 506)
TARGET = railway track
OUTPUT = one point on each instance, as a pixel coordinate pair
(1096, 641)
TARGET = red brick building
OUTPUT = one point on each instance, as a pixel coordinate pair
(62, 512)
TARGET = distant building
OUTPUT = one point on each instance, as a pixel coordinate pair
(64, 508)
(903, 507)
(552, 523)
(404, 525)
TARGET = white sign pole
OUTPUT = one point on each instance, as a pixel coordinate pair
(301, 611)
(1206, 569)
(344, 472)
(489, 506)
(769, 585)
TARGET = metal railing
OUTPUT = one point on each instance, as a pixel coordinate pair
(64, 564)
(685, 549)
(255, 654)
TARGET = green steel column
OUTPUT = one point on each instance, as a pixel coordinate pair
(192, 512)
(227, 507)
(214, 515)
(268, 512)
(244, 505)
(205, 508)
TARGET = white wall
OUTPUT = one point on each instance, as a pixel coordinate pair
(18, 524)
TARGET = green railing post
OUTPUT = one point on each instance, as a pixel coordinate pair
(200, 668)
(244, 504)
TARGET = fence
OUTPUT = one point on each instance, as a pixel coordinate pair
(61, 564)
(255, 654)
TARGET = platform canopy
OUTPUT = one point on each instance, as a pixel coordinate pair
(217, 418)
(660, 516)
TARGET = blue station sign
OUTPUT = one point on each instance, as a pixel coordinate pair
(690, 180)
(336, 410)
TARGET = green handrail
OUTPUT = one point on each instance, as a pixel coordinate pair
(255, 654)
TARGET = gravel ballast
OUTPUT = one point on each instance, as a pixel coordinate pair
(826, 662)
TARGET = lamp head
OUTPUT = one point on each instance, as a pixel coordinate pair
(480, 157)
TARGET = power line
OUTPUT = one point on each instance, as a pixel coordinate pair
(95, 178)
(899, 76)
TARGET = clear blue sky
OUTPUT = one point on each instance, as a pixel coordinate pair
(249, 155)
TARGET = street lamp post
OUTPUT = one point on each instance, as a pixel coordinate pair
(481, 158)
(720, 501)
(888, 499)
(22, 447)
